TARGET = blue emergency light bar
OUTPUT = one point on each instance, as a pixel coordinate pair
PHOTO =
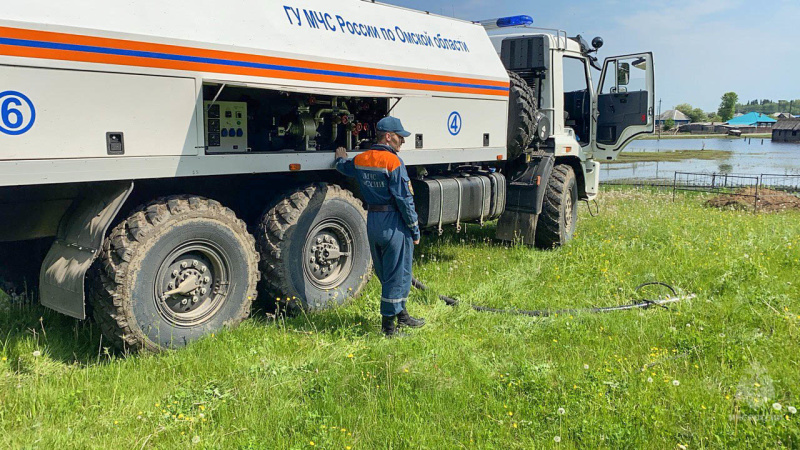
(505, 22)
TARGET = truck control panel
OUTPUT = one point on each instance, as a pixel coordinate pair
(226, 127)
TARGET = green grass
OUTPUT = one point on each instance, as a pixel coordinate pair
(671, 156)
(467, 380)
(665, 135)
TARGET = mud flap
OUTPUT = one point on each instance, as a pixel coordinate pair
(80, 236)
(524, 201)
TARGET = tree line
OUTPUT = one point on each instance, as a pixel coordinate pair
(725, 112)
(730, 106)
(766, 106)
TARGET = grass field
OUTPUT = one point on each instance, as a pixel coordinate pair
(719, 371)
(671, 156)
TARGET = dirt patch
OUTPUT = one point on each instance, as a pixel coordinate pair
(768, 200)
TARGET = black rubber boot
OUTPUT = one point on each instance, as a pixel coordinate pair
(388, 326)
(404, 319)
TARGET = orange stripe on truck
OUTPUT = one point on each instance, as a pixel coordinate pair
(92, 49)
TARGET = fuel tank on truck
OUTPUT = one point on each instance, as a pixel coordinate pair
(447, 200)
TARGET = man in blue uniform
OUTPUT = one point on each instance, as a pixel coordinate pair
(392, 227)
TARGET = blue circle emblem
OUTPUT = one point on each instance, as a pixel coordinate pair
(454, 123)
(17, 113)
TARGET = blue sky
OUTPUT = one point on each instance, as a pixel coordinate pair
(702, 48)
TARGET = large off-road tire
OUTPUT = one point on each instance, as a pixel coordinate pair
(521, 116)
(174, 241)
(559, 216)
(314, 247)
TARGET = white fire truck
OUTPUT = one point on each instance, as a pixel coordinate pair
(176, 165)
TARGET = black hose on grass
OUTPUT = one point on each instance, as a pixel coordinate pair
(643, 304)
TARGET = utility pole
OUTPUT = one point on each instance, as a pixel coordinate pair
(658, 117)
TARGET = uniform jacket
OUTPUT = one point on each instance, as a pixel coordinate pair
(383, 179)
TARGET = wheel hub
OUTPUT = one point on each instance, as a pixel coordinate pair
(328, 259)
(191, 284)
(568, 213)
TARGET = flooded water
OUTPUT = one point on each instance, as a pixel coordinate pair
(748, 157)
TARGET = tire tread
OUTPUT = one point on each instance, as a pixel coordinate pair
(276, 224)
(549, 229)
(108, 284)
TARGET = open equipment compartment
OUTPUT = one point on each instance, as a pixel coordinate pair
(243, 119)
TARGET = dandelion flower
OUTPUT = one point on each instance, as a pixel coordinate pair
(514, 425)
(196, 440)
(649, 379)
(792, 409)
(561, 411)
(312, 443)
(557, 439)
(676, 383)
(4, 358)
(585, 367)
(350, 355)
(776, 406)
(37, 354)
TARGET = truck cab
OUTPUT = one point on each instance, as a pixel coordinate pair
(594, 111)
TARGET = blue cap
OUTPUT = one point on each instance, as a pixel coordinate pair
(392, 125)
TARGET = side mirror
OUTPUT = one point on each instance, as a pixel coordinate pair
(623, 74)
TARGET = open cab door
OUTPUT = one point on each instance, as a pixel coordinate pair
(625, 103)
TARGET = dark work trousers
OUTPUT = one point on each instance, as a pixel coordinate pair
(392, 248)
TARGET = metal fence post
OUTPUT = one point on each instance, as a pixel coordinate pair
(674, 187)
(755, 209)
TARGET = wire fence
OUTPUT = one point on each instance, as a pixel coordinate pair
(741, 186)
(785, 183)
(750, 189)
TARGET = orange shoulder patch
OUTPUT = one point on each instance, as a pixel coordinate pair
(378, 159)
